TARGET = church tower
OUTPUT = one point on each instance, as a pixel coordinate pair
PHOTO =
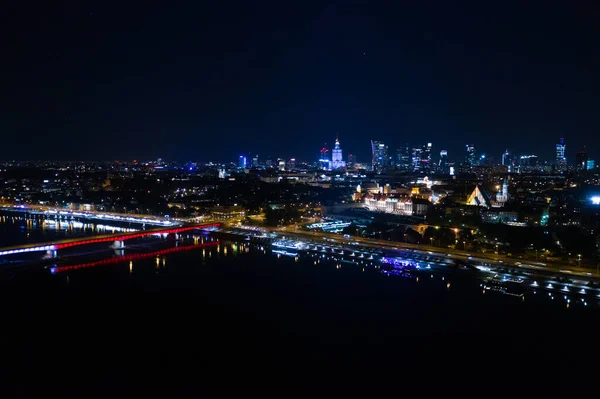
(502, 196)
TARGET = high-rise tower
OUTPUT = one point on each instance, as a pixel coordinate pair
(561, 159)
(471, 158)
(443, 165)
(403, 159)
(337, 161)
(426, 158)
(380, 156)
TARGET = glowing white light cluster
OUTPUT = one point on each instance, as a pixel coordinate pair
(23, 250)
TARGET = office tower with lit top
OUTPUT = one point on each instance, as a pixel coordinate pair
(292, 164)
(380, 156)
(242, 162)
(561, 159)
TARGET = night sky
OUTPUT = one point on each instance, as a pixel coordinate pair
(214, 80)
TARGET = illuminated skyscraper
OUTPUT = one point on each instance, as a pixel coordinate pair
(506, 160)
(426, 158)
(337, 162)
(416, 159)
(471, 158)
(443, 165)
(324, 158)
(242, 162)
(403, 158)
(292, 164)
(561, 159)
(380, 156)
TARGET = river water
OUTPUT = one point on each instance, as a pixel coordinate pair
(208, 313)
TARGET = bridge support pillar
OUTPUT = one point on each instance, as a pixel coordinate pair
(51, 253)
(119, 244)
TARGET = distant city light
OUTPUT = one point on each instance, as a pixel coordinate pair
(595, 200)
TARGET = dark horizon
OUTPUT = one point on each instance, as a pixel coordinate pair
(212, 82)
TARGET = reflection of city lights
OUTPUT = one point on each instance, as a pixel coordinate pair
(132, 257)
(596, 200)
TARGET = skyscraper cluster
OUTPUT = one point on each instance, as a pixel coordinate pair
(420, 159)
(407, 158)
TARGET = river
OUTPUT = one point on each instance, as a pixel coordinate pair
(226, 314)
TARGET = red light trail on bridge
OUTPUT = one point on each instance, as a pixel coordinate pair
(53, 246)
(123, 237)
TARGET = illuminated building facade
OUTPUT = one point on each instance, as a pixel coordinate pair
(399, 205)
(389, 204)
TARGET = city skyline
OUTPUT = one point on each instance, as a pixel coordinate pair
(470, 154)
(154, 81)
(289, 196)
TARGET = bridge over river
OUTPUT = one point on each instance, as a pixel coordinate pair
(51, 248)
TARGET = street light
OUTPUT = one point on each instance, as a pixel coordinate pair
(579, 259)
(431, 240)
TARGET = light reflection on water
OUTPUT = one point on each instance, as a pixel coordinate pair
(18, 229)
(238, 254)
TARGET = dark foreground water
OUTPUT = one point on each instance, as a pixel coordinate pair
(236, 317)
